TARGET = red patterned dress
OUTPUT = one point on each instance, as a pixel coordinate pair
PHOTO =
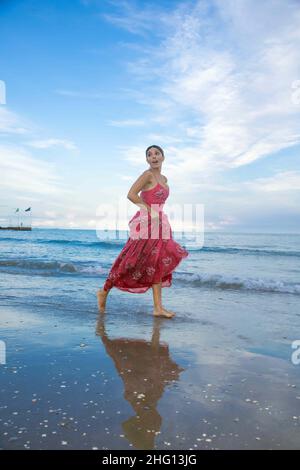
(150, 254)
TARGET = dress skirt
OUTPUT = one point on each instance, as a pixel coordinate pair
(149, 256)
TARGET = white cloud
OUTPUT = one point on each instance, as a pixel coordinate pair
(20, 173)
(11, 123)
(48, 143)
(81, 94)
(220, 224)
(126, 123)
(51, 214)
(135, 20)
(124, 177)
(282, 181)
(228, 68)
(166, 139)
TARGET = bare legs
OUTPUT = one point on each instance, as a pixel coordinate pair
(159, 310)
(102, 296)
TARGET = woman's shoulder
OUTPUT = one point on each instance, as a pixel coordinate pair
(147, 177)
(147, 172)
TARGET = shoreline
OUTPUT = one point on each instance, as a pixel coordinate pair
(124, 380)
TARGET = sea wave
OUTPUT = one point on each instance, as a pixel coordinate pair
(81, 243)
(243, 251)
(111, 244)
(49, 267)
(214, 281)
(220, 281)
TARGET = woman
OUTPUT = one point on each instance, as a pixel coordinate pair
(150, 254)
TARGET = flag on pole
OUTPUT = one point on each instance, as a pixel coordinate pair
(29, 208)
(17, 210)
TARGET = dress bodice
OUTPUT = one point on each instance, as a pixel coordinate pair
(157, 195)
(140, 224)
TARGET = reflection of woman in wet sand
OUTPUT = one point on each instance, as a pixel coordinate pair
(146, 369)
(149, 256)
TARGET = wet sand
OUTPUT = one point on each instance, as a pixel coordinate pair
(126, 380)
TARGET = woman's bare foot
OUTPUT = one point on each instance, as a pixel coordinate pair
(163, 312)
(169, 311)
(101, 296)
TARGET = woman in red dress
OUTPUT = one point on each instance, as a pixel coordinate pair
(150, 254)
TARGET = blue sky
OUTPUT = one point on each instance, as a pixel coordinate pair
(89, 85)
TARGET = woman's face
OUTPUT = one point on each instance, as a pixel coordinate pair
(154, 157)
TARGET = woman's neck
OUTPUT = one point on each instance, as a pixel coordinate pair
(156, 172)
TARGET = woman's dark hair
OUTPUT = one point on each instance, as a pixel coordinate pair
(157, 147)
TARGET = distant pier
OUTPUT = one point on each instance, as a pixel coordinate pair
(15, 228)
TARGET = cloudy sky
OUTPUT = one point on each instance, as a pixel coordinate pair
(88, 85)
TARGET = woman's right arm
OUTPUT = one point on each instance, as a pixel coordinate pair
(137, 186)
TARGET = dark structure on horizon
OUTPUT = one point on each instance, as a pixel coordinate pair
(18, 226)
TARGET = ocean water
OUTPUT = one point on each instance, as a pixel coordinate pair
(245, 281)
(50, 264)
(224, 360)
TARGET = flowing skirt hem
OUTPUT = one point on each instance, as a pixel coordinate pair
(166, 280)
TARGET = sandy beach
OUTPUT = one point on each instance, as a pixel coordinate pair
(124, 380)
